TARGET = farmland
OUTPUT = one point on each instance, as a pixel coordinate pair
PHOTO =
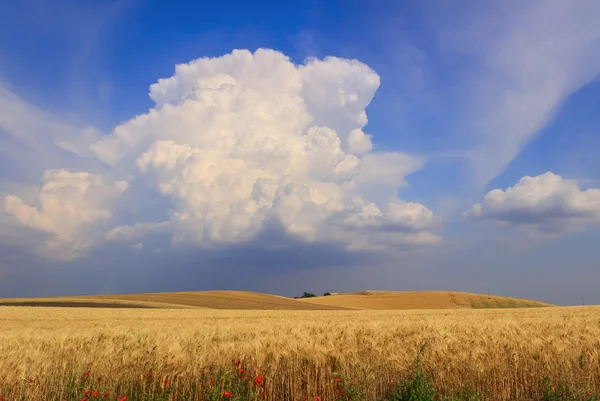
(390, 300)
(236, 300)
(245, 300)
(192, 354)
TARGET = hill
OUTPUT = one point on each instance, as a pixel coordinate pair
(85, 302)
(245, 300)
(199, 299)
(421, 300)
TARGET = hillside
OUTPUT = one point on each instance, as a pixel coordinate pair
(421, 300)
(222, 300)
(253, 300)
(85, 302)
(199, 299)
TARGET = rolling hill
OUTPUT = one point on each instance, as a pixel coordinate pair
(198, 299)
(245, 300)
(421, 300)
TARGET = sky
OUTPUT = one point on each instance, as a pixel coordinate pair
(296, 146)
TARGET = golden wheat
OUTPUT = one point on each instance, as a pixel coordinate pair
(502, 354)
(388, 300)
(238, 300)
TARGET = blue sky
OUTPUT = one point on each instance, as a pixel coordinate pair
(254, 167)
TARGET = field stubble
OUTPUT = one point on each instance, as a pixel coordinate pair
(501, 354)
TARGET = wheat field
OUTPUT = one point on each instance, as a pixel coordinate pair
(390, 300)
(246, 300)
(46, 353)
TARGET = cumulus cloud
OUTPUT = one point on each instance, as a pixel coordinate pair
(547, 203)
(71, 207)
(399, 216)
(135, 232)
(248, 141)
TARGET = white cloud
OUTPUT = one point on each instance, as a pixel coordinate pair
(70, 208)
(527, 58)
(399, 216)
(135, 232)
(244, 139)
(547, 203)
(247, 140)
(359, 142)
(382, 173)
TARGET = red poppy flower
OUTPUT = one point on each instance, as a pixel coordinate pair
(122, 398)
(337, 379)
(87, 392)
(166, 382)
(236, 364)
(227, 394)
(318, 398)
(105, 395)
(258, 380)
(150, 375)
(212, 381)
(84, 399)
(262, 395)
(341, 391)
(242, 371)
(95, 394)
(202, 374)
(89, 372)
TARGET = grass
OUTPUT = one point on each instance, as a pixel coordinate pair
(548, 354)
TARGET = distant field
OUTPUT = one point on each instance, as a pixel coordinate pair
(86, 302)
(238, 300)
(421, 300)
(244, 300)
(56, 354)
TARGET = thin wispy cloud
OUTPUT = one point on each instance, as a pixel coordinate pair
(522, 61)
(27, 130)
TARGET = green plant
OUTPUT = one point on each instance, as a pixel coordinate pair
(347, 391)
(418, 386)
(562, 392)
(466, 393)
